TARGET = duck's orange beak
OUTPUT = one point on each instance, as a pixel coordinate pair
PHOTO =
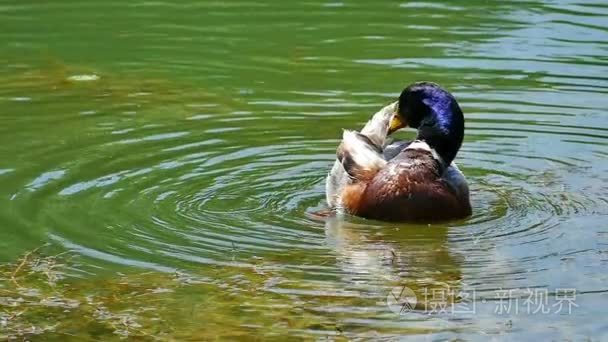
(397, 123)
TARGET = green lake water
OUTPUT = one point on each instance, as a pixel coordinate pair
(161, 165)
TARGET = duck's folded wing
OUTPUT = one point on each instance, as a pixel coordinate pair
(455, 179)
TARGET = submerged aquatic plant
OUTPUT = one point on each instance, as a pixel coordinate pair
(41, 297)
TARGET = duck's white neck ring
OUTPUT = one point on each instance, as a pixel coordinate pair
(423, 145)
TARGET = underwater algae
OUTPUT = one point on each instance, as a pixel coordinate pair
(39, 300)
(45, 298)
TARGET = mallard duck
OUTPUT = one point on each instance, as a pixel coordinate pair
(404, 181)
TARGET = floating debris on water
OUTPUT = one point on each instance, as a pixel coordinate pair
(83, 78)
(21, 99)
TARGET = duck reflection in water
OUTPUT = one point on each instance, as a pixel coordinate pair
(384, 256)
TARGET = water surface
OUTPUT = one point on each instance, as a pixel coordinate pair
(154, 142)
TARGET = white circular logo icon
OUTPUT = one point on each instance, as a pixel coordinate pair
(401, 299)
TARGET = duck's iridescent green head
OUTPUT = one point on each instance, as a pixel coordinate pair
(436, 115)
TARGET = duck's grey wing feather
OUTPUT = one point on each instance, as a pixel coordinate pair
(457, 182)
(394, 148)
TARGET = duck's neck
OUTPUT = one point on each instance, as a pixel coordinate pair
(376, 129)
(443, 128)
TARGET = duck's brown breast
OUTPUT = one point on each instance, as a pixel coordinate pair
(410, 189)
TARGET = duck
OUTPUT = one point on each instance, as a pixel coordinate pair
(418, 181)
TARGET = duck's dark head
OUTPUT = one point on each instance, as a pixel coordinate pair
(436, 115)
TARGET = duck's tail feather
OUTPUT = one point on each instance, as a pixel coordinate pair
(360, 156)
